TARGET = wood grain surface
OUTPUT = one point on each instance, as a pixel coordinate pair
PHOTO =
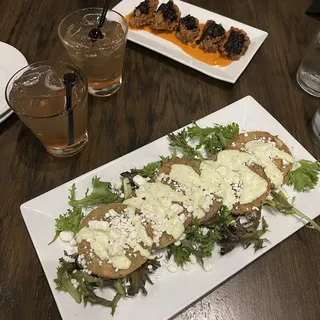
(158, 96)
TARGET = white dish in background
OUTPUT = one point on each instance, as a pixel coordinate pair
(229, 74)
(178, 290)
(11, 61)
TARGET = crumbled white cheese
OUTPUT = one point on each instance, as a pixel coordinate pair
(69, 249)
(177, 243)
(204, 231)
(139, 181)
(66, 236)
(193, 259)
(68, 259)
(207, 264)
(183, 236)
(172, 268)
(117, 185)
(176, 208)
(111, 239)
(75, 283)
(186, 267)
(73, 242)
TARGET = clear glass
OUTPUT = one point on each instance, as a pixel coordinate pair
(100, 60)
(308, 74)
(36, 93)
(316, 124)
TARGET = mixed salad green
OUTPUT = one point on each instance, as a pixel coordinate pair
(226, 230)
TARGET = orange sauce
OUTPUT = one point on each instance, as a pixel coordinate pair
(213, 59)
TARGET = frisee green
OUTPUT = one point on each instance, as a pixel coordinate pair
(244, 234)
(148, 170)
(68, 221)
(210, 139)
(213, 139)
(138, 278)
(305, 177)
(101, 193)
(180, 141)
(253, 236)
(279, 201)
(85, 292)
(86, 286)
(221, 220)
(196, 242)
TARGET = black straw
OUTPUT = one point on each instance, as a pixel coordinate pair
(69, 80)
(104, 13)
(96, 33)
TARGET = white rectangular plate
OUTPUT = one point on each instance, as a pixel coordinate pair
(230, 73)
(178, 290)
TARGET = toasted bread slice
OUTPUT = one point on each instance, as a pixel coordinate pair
(238, 142)
(195, 165)
(100, 267)
(253, 206)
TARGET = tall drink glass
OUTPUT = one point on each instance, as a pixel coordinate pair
(37, 94)
(308, 74)
(101, 60)
(316, 124)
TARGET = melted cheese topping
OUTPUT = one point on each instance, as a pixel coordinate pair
(190, 181)
(110, 240)
(264, 153)
(165, 208)
(155, 200)
(231, 179)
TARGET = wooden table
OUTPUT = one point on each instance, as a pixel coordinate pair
(158, 96)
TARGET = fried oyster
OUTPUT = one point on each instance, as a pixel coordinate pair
(211, 35)
(235, 44)
(143, 14)
(188, 29)
(167, 17)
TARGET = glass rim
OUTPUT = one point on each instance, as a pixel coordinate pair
(42, 62)
(87, 9)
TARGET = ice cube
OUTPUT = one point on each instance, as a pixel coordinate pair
(90, 19)
(32, 77)
(53, 82)
(73, 30)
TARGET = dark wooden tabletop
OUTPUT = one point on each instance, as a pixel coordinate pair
(158, 96)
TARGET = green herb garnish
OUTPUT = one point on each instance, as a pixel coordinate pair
(223, 219)
(147, 171)
(69, 273)
(280, 202)
(137, 279)
(68, 221)
(305, 177)
(180, 140)
(253, 236)
(199, 241)
(101, 194)
(244, 234)
(211, 139)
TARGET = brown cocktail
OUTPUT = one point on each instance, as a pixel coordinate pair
(101, 59)
(37, 94)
